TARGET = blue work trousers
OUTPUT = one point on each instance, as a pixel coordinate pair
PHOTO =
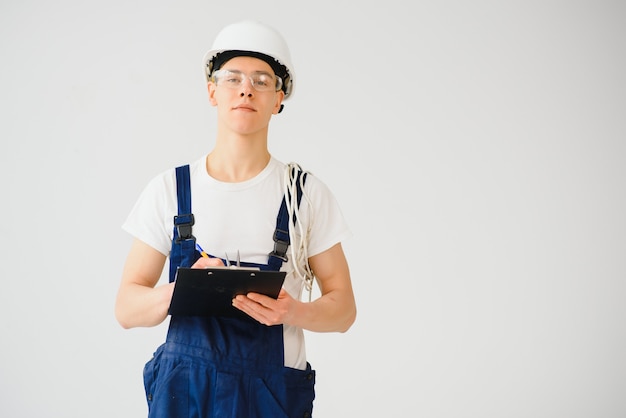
(225, 367)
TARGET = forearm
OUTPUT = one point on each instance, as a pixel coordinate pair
(333, 312)
(141, 306)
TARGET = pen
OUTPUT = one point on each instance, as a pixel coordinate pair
(199, 248)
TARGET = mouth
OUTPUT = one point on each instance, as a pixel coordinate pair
(245, 108)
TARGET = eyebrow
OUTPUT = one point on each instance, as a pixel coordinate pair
(254, 72)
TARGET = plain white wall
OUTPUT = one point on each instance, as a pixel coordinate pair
(477, 150)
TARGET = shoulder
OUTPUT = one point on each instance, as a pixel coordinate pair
(162, 186)
(160, 181)
(196, 168)
(312, 183)
(166, 179)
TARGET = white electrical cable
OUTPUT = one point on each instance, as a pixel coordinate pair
(298, 232)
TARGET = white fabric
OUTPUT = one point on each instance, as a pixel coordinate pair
(231, 217)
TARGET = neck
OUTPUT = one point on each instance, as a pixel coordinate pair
(237, 158)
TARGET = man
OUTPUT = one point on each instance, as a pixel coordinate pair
(254, 366)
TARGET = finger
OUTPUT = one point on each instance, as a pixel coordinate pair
(253, 308)
(260, 299)
(205, 262)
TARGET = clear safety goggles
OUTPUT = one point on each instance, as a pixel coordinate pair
(235, 79)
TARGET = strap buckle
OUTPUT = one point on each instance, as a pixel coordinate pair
(184, 225)
(280, 245)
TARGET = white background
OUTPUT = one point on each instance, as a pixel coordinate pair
(477, 149)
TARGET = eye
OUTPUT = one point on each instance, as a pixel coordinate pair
(229, 78)
(262, 80)
(232, 79)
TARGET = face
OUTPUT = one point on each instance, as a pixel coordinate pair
(243, 108)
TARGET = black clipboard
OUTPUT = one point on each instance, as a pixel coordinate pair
(210, 291)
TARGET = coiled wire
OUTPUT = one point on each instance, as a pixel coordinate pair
(298, 231)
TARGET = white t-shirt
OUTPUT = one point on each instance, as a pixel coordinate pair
(240, 217)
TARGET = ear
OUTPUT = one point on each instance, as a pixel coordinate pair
(211, 88)
(280, 95)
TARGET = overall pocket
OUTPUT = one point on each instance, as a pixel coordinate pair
(166, 383)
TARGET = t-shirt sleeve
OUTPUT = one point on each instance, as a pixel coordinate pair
(328, 224)
(151, 218)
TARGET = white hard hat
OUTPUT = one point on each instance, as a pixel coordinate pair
(253, 38)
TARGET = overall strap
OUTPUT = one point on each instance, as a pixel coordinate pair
(281, 233)
(183, 241)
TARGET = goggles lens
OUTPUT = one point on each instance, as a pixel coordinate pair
(235, 79)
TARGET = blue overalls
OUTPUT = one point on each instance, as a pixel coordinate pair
(213, 367)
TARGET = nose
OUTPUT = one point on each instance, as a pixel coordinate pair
(246, 88)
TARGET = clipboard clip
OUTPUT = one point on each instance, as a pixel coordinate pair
(228, 264)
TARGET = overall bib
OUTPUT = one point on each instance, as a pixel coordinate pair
(228, 367)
